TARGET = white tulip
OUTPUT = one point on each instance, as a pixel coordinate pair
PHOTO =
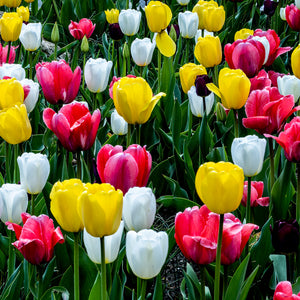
(282, 14)
(289, 85)
(12, 70)
(96, 74)
(30, 36)
(129, 21)
(139, 208)
(34, 171)
(142, 51)
(13, 202)
(183, 2)
(248, 152)
(33, 94)
(188, 24)
(146, 252)
(199, 34)
(118, 125)
(111, 243)
(196, 102)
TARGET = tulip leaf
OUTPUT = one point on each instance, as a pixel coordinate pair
(205, 137)
(296, 286)
(247, 284)
(68, 13)
(175, 187)
(180, 204)
(191, 273)
(190, 287)
(176, 125)
(96, 289)
(188, 161)
(47, 276)
(158, 290)
(48, 295)
(279, 265)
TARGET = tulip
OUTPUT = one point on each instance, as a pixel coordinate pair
(115, 31)
(282, 14)
(289, 85)
(139, 208)
(202, 33)
(74, 125)
(248, 152)
(260, 81)
(257, 188)
(50, 75)
(15, 127)
(13, 202)
(12, 93)
(12, 3)
(64, 201)
(96, 74)
(113, 81)
(229, 179)
(292, 14)
(31, 93)
(100, 209)
(142, 51)
(34, 171)
(200, 84)
(30, 36)
(111, 242)
(3, 54)
(126, 91)
(129, 21)
(243, 34)
(10, 26)
(85, 27)
(183, 2)
(24, 13)
(295, 60)
(37, 238)
(234, 88)
(12, 70)
(112, 15)
(284, 290)
(118, 125)
(146, 252)
(285, 236)
(208, 51)
(188, 74)
(124, 169)
(269, 7)
(188, 24)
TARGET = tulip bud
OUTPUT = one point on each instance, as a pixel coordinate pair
(142, 51)
(118, 125)
(200, 84)
(183, 2)
(84, 44)
(129, 20)
(188, 24)
(221, 113)
(289, 85)
(30, 36)
(125, 51)
(55, 34)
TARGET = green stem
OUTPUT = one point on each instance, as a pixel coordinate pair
(298, 193)
(103, 269)
(248, 207)
(158, 69)
(127, 4)
(138, 133)
(100, 99)
(272, 179)
(32, 204)
(56, 11)
(40, 284)
(16, 168)
(218, 260)
(143, 289)
(30, 64)
(187, 50)
(11, 254)
(118, 60)
(202, 282)
(55, 51)
(112, 51)
(7, 160)
(290, 259)
(138, 287)
(128, 135)
(8, 51)
(78, 165)
(236, 124)
(76, 266)
(190, 116)
(84, 58)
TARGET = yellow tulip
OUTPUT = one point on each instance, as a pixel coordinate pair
(295, 61)
(112, 16)
(12, 3)
(243, 34)
(100, 208)
(134, 100)
(29, 1)
(188, 74)
(220, 186)
(200, 8)
(64, 201)
(12, 93)
(214, 18)
(23, 12)
(234, 88)
(15, 127)
(10, 26)
(208, 51)
(165, 44)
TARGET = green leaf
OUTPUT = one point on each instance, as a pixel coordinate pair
(205, 137)
(96, 289)
(176, 125)
(158, 289)
(247, 284)
(191, 273)
(190, 287)
(179, 203)
(279, 264)
(56, 289)
(48, 274)
(175, 187)
(13, 285)
(67, 13)
(296, 286)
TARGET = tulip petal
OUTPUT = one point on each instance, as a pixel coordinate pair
(165, 44)
(213, 88)
(48, 114)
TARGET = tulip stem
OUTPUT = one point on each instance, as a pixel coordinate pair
(138, 134)
(16, 168)
(78, 165)
(83, 64)
(40, 282)
(8, 51)
(158, 69)
(76, 266)
(218, 260)
(55, 51)
(143, 289)
(298, 193)
(236, 123)
(128, 135)
(32, 204)
(7, 160)
(11, 254)
(103, 269)
(30, 65)
(118, 59)
(248, 207)
(270, 140)
(202, 281)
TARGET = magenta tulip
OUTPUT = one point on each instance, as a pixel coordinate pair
(58, 82)
(292, 14)
(284, 291)
(257, 188)
(85, 27)
(74, 125)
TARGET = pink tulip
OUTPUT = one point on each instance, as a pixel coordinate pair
(58, 82)
(85, 27)
(257, 188)
(292, 14)
(3, 54)
(284, 291)
(74, 125)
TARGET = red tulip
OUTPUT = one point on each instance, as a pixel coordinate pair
(247, 55)
(58, 81)
(292, 14)
(257, 188)
(267, 110)
(284, 291)
(274, 42)
(74, 125)
(260, 81)
(289, 140)
(37, 238)
(125, 169)
(85, 27)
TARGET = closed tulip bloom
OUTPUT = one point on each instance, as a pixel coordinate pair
(50, 75)
(31, 93)
(112, 16)
(126, 92)
(118, 125)
(146, 252)
(257, 199)
(183, 2)
(188, 74)
(289, 85)
(295, 61)
(208, 51)
(243, 34)
(3, 54)
(10, 26)
(64, 201)
(30, 36)
(12, 3)
(100, 209)
(234, 88)
(214, 18)
(12, 70)
(15, 126)
(139, 208)
(292, 14)
(284, 290)
(29, 1)
(85, 27)
(23, 12)
(74, 125)
(248, 152)
(188, 24)
(282, 14)
(229, 180)
(129, 21)
(12, 93)
(142, 51)
(111, 243)
(201, 9)
(34, 171)
(37, 238)
(13, 202)
(96, 74)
